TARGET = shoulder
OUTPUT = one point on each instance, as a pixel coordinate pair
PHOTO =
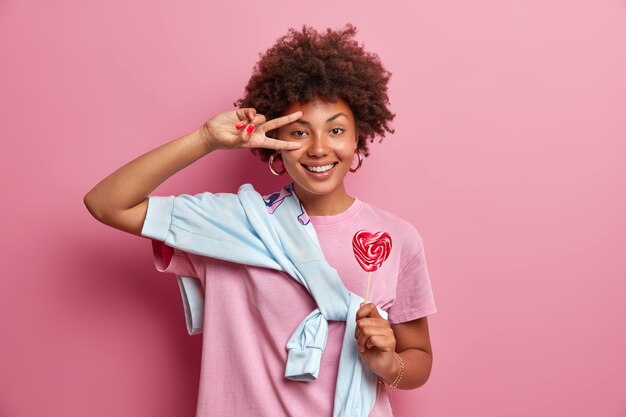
(403, 233)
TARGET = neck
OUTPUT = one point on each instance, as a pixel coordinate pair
(324, 205)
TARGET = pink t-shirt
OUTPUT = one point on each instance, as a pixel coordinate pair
(250, 314)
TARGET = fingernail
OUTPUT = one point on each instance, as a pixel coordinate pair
(250, 128)
(240, 126)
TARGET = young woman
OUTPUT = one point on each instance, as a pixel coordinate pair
(311, 105)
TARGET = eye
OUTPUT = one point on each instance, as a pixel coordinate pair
(337, 131)
(298, 133)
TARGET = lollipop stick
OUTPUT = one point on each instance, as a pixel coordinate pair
(367, 288)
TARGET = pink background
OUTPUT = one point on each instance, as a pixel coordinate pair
(508, 157)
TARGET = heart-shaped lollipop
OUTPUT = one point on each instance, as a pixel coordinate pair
(371, 250)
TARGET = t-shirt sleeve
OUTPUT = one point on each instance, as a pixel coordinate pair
(414, 295)
(172, 260)
(206, 224)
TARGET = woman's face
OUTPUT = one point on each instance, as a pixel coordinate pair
(327, 133)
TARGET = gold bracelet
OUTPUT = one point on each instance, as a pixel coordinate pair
(400, 374)
(396, 382)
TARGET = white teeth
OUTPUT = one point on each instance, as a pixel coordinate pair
(322, 168)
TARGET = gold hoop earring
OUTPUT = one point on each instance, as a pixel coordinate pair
(358, 153)
(271, 164)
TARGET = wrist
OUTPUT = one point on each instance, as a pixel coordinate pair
(392, 373)
(204, 136)
(389, 385)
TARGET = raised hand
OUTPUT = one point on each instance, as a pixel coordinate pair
(244, 128)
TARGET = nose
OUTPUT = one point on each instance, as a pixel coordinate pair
(319, 145)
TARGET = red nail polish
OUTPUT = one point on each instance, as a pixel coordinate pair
(250, 128)
(240, 126)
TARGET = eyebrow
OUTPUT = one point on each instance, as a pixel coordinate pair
(330, 119)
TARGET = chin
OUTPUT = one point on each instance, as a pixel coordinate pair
(318, 189)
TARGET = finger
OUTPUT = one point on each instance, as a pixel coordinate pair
(280, 145)
(380, 342)
(250, 113)
(361, 312)
(366, 342)
(367, 310)
(358, 329)
(368, 339)
(360, 325)
(246, 133)
(378, 338)
(360, 341)
(379, 324)
(373, 311)
(242, 114)
(258, 119)
(281, 121)
(250, 136)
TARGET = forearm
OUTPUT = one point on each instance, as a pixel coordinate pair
(133, 182)
(417, 367)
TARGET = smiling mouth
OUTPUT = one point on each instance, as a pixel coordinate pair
(319, 169)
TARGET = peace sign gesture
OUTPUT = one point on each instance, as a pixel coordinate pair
(244, 128)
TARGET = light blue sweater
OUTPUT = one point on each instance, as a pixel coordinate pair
(274, 232)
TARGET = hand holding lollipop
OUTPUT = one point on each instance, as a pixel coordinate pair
(371, 250)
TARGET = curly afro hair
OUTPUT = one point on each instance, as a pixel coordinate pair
(306, 65)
